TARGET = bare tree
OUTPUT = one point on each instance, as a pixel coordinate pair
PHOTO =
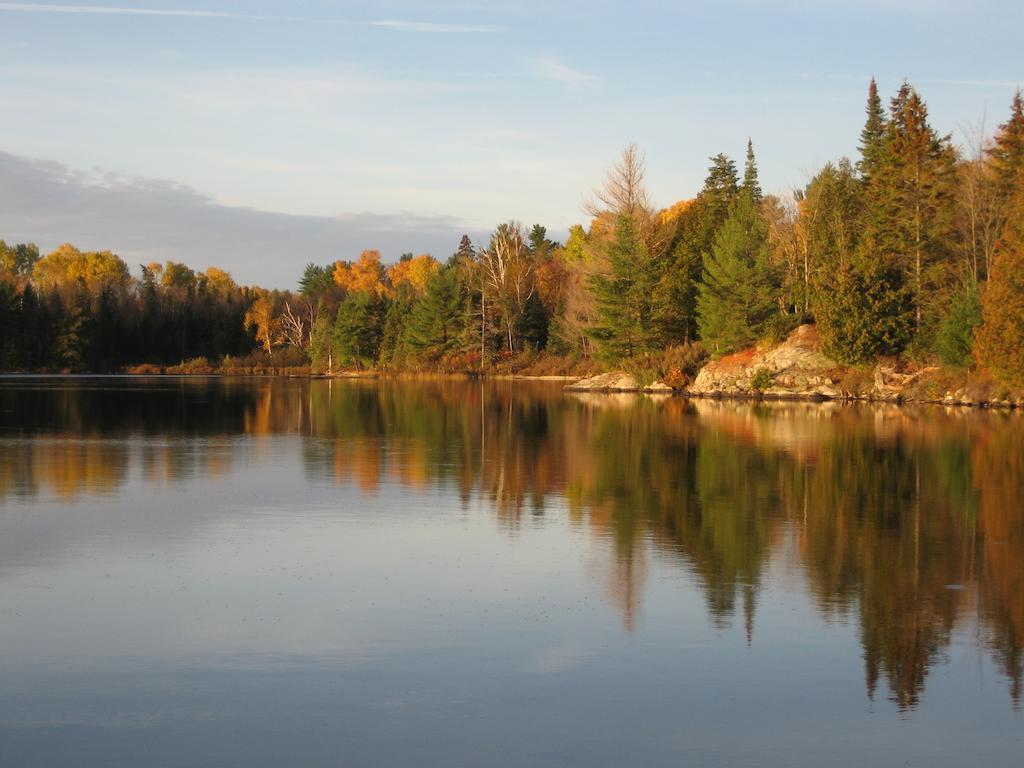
(623, 192)
(981, 219)
(291, 328)
(508, 278)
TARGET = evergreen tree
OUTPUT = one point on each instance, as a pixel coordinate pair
(1006, 155)
(872, 137)
(954, 341)
(674, 297)
(534, 324)
(720, 190)
(538, 242)
(863, 311)
(751, 186)
(831, 214)
(358, 329)
(321, 336)
(436, 320)
(315, 282)
(394, 343)
(736, 301)
(678, 271)
(911, 208)
(622, 296)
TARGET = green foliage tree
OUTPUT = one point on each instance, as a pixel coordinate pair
(954, 341)
(863, 311)
(736, 300)
(911, 207)
(316, 281)
(751, 185)
(622, 295)
(872, 136)
(436, 319)
(358, 329)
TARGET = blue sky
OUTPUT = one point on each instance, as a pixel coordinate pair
(399, 124)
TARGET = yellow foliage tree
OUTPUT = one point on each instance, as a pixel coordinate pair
(68, 266)
(219, 282)
(261, 317)
(414, 271)
(365, 275)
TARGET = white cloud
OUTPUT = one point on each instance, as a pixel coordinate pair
(107, 10)
(404, 25)
(554, 69)
(430, 26)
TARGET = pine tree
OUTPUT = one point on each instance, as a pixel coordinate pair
(1006, 155)
(736, 301)
(720, 190)
(466, 251)
(435, 323)
(357, 329)
(872, 137)
(623, 327)
(911, 207)
(394, 344)
(862, 311)
(954, 341)
(750, 182)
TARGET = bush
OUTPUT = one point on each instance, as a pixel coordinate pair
(762, 379)
(955, 337)
(675, 366)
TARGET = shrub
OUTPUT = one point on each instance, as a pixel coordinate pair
(762, 379)
(675, 366)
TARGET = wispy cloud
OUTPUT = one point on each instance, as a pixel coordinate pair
(402, 25)
(110, 10)
(431, 26)
(554, 69)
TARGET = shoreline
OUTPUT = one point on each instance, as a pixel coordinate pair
(773, 397)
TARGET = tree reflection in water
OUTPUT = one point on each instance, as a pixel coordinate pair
(908, 521)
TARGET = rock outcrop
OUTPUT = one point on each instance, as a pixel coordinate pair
(796, 368)
(618, 381)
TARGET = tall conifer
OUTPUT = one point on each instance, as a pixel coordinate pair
(1006, 155)
(750, 183)
(911, 207)
(872, 137)
(737, 298)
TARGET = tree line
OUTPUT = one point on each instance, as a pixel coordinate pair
(913, 248)
(84, 311)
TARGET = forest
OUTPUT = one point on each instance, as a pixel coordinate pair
(915, 248)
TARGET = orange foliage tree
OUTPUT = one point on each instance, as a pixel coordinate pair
(999, 342)
(364, 275)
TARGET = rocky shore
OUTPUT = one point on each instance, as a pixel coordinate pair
(797, 369)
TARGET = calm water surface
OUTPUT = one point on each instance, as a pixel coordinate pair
(290, 573)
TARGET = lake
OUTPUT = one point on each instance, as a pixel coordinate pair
(279, 572)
